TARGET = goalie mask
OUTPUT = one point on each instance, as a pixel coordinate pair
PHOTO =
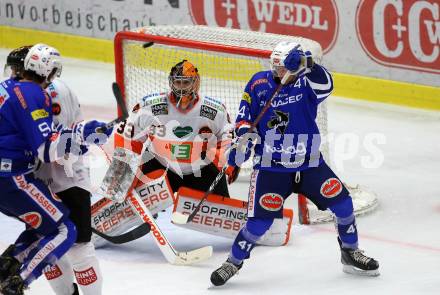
(279, 54)
(14, 67)
(184, 82)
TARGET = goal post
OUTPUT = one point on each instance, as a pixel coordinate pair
(226, 60)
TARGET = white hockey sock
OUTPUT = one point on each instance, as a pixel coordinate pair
(60, 276)
(86, 268)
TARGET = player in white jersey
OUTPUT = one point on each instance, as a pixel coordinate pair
(69, 179)
(182, 132)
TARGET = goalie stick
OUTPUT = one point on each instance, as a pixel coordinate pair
(181, 218)
(129, 236)
(121, 105)
(171, 255)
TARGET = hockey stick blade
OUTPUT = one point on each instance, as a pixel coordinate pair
(179, 218)
(121, 105)
(170, 254)
(129, 236)
(194, 256)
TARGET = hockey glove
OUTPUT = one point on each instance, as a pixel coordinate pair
(85, 133)
(298, 61)
(244, 143)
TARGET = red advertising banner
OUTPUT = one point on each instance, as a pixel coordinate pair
(317, 20)
(401, 33)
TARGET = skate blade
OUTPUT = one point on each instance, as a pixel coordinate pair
(350, 269)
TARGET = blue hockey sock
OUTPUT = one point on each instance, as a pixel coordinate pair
(346, 223)
(246, 239)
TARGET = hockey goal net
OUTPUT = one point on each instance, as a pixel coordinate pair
(226, 60)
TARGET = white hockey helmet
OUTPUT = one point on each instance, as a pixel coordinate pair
(43, 60)
(280, 52)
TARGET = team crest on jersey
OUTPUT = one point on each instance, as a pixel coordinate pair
(208, 112)
(279, 120)
(182, 131)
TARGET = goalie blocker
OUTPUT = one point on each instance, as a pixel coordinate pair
(219, 216)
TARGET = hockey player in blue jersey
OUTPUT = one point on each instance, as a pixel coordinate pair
(26, 133)
(287, 157)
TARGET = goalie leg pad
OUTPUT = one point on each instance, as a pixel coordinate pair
(226, 217)
(115, 218)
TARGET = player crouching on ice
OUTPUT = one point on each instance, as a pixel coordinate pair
(26, 133)
(288, 157)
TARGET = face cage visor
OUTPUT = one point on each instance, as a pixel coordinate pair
(183, 85)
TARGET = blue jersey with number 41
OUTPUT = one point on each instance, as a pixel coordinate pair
(289, 137)
(25, 124)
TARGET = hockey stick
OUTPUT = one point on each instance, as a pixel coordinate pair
(129, 236)
(171, 255)
(121, 104)
(181, 218)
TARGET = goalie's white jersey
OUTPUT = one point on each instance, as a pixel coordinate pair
(70, 172)
(183, 141)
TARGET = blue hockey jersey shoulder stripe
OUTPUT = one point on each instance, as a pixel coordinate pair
(320, 80)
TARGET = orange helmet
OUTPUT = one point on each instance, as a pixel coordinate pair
(184, 82)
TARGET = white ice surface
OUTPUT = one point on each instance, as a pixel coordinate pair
(402, 234)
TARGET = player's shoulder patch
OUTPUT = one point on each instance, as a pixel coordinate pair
(157, 102)
(154, 98)
(136, 108)
(246, 97)
(4, 95)
(210, 107)
(52, 91)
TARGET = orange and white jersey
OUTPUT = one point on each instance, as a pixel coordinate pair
(183, 141)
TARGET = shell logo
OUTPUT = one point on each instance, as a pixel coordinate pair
(316, 20)
(33, 219)
(401, 33)
(331, 188)
(271, 202)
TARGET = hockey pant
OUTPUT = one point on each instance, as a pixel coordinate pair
(49, 233)
(268, 191)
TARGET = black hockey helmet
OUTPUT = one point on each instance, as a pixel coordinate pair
(15, 62)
